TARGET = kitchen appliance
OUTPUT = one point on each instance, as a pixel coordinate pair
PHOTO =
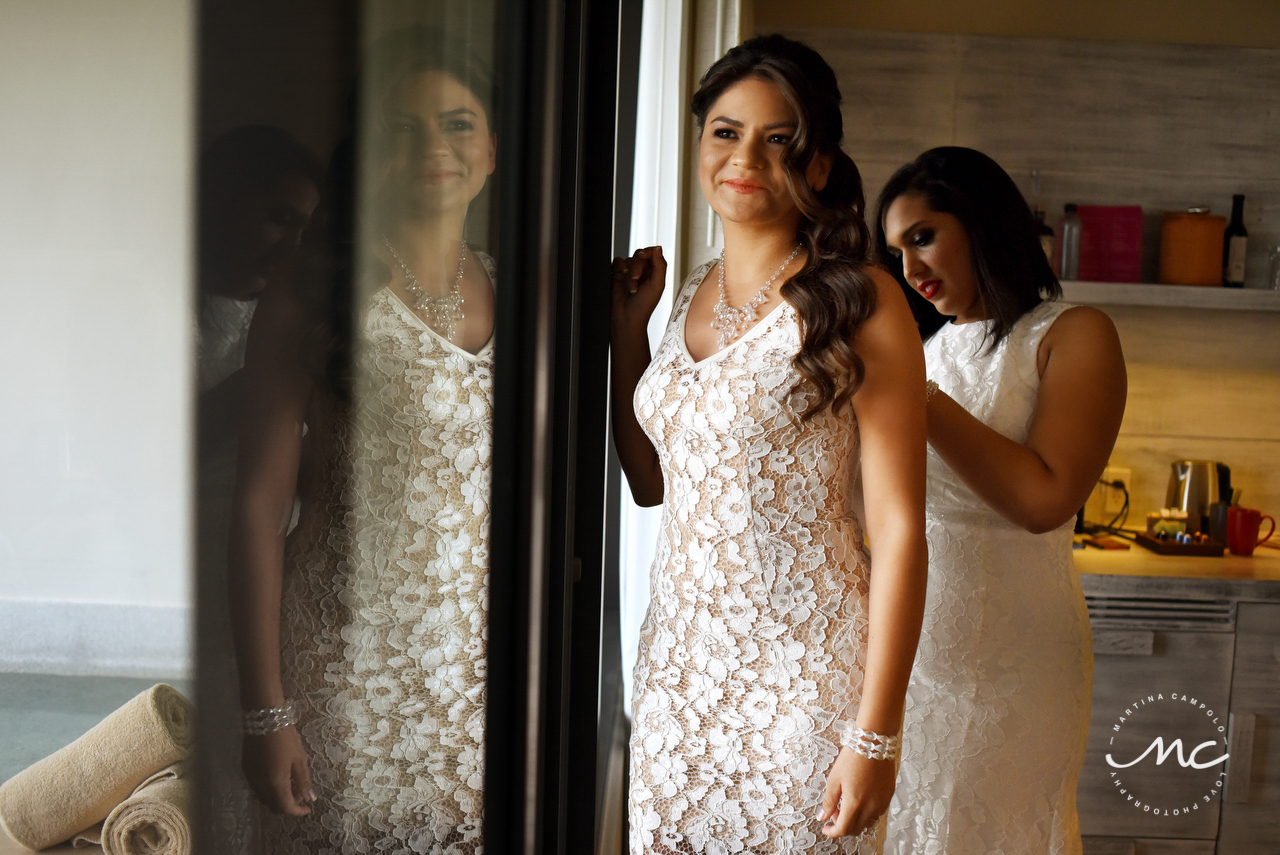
(1191, 247)
(1149, 652)
(1194, 485)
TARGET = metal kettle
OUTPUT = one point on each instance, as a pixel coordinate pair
(1196, 484)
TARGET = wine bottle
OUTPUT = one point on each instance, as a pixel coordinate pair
(1233, 245)
(1069, 230)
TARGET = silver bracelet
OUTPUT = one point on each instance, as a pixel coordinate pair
(268, 720)
(929, 388)
(873, 746)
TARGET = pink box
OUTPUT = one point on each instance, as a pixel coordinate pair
(1110, 243)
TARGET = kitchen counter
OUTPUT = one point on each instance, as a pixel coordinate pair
(1254, 578)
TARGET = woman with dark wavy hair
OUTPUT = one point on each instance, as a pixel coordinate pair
(783, 620)
(1026, 397)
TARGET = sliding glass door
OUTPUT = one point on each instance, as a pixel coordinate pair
(406, 219)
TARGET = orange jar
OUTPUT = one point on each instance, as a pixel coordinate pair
(1191, 247)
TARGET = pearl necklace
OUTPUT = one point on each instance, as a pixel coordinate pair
(726, 320)
(445, 311)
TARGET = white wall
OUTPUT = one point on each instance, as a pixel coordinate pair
(95, 362)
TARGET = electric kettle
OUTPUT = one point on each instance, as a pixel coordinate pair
(1196, 484)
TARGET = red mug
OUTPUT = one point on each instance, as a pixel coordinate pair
(1243, 525)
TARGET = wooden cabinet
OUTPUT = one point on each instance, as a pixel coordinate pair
(1220, 639)
(1250, 823)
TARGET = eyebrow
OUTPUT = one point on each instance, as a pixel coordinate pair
(460, 111)
(908, 230)
(734, 123)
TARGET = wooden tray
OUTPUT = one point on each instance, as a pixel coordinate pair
(1211, 549)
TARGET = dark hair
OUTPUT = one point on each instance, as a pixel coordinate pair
(247, 159)
(833, 293)
(424, 48)
(1011, 270)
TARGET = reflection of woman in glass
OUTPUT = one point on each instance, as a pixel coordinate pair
(776, 648)
(367, 624)
(258, 190)
(1028, 400)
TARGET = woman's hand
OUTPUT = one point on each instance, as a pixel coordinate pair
(637, 286)
(276, 767)
(858, 792)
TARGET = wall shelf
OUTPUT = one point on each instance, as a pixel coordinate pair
(1171, 296)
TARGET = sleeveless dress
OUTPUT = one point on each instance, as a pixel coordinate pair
(997, 711)
(752, 650)
(383, 616)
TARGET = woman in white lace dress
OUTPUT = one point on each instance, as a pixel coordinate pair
(367, 624)
(783, 620)
(1028, 400)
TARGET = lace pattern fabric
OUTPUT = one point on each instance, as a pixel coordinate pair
(753, 648)
(997, 711)
(384, 609)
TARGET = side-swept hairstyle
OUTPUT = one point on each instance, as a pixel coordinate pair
(1011, 270)
(833, 293)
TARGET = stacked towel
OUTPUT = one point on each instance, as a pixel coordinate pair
(80, 785)
(152, 821)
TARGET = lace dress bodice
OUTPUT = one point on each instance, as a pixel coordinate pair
(997, 711)
(752, 650)
(384, 611)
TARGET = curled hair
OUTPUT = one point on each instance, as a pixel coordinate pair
(833, 293)
(1009, 265)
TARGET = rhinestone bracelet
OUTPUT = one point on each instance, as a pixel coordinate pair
(269, 720)
(929, 388)
(873, 746)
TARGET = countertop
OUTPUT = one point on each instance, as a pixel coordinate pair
(1263, 565)
(1139, 571)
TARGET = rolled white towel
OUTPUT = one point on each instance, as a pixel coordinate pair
(78, 786)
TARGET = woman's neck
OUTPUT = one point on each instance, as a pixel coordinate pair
(430, 247)
(752, 255)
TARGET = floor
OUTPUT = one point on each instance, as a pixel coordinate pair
(40, 713)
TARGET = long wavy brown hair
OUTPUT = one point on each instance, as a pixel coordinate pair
(833, 293)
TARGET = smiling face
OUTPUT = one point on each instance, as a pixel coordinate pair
(440, 147)
(936, 259)
(740, 153)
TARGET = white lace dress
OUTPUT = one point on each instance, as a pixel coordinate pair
(752, 651)
(997, 712)
(385, 601)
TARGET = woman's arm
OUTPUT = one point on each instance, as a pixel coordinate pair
(890, 408)
(637, 286)
(1042, 484)
(277, 389)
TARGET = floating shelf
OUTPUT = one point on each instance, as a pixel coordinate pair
(1171, 296)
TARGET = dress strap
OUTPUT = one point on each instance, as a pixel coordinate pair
(695, 278)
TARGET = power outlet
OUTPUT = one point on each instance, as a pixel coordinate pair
(1113, 497)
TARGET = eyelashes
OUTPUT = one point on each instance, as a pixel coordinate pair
(922, 238)
(732, 134)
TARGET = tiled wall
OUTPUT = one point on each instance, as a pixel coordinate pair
(1110, 123)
